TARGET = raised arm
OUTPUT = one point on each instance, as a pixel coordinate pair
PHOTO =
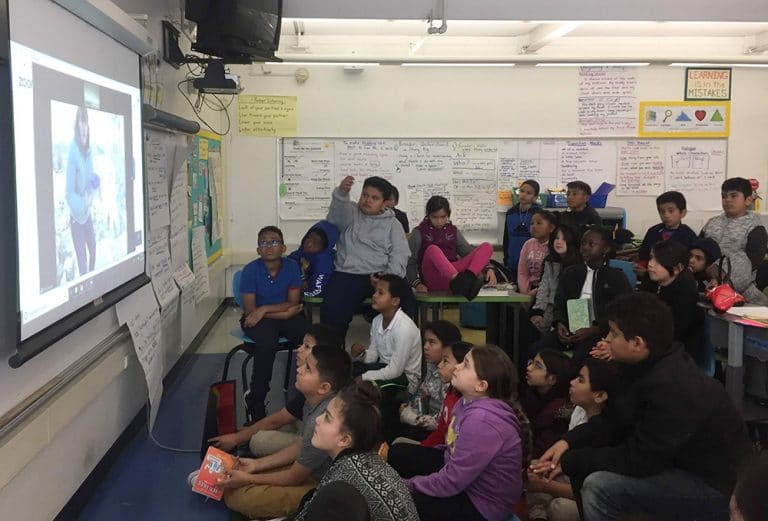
(342, 210)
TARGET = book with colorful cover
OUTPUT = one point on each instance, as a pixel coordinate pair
(215, 465)
(579, 314)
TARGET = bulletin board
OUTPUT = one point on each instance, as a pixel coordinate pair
(204, 167)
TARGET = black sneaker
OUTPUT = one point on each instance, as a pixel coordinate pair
(476, 283)
(461, 283)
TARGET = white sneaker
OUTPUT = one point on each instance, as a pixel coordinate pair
(192, 478)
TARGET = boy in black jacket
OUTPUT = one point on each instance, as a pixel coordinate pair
(580, 214)
(671, 442)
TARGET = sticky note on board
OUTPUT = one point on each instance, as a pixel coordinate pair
(504, 198)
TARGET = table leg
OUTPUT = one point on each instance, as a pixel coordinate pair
(503, 328)
(309, 308)
(435, 312)
(734, 371)
(516, 334)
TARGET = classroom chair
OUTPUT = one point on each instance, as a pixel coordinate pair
(244, 346)
(628, 270)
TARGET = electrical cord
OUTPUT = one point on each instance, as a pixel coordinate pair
(198, 105)
(165, 447)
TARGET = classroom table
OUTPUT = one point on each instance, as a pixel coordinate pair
(435, 299)
(731, 330)
(311, 303)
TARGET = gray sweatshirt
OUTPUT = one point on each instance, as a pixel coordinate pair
(743, 240)
(367, 243)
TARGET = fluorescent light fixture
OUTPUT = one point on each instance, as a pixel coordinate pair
(564, 29)
(593, 64)
(457, 64)
(337, 64)
(682, 64)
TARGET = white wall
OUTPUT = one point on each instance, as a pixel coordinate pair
(524, 101)
(46, 459)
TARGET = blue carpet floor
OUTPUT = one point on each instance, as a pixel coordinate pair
(148, 482)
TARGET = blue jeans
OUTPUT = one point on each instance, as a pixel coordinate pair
(672, 494)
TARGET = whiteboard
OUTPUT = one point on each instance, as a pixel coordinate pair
(474, 173)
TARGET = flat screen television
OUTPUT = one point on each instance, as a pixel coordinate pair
(238, 31)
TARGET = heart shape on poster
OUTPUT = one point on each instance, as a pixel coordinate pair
(700, 114)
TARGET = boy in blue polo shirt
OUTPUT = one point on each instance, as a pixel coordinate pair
(270, 288)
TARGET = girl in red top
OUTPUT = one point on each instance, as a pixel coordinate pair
(452, 355)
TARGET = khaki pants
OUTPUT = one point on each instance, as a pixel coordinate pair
(264, 443)
(267, 501)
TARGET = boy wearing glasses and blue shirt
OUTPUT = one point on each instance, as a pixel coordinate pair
(270, 288)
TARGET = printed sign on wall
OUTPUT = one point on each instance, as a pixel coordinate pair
(707, 84)
(684, 119)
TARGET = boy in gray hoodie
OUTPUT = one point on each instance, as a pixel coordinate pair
(371, 241)
(741, 236)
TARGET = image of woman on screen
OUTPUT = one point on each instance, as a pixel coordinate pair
(82, 182)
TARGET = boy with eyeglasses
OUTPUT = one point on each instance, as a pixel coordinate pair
(270, 288)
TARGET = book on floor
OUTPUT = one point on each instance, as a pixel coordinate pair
(216, 464)
(579, 314)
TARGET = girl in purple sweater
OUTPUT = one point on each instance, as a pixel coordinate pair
(477, 475)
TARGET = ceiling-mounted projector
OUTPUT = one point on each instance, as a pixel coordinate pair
(216, 81)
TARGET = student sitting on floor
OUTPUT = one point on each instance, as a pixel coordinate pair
(702, 255)
(749, 501)
(315, 256)
(477, 475)
(545, 401)
(350, 433)
(371, 242)
(535, 249)
(563, 251)
(741, 236)
(442, 259)
(400, 215)
(593, 280)
(270, 288)
(278, 430)
(672, 209)
(393, 356)
(580, 215)
(273, 486)
(453, 355)
(589, 392)
(517, 225)
(394, 352)
(671, 442)
(419, 417)
(677, 287)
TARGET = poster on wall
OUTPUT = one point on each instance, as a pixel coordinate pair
(684, 119)
(607, 101)
(708, 83)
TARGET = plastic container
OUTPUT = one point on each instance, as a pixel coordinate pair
(557, 200)
(600, 196)
(598, 200)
